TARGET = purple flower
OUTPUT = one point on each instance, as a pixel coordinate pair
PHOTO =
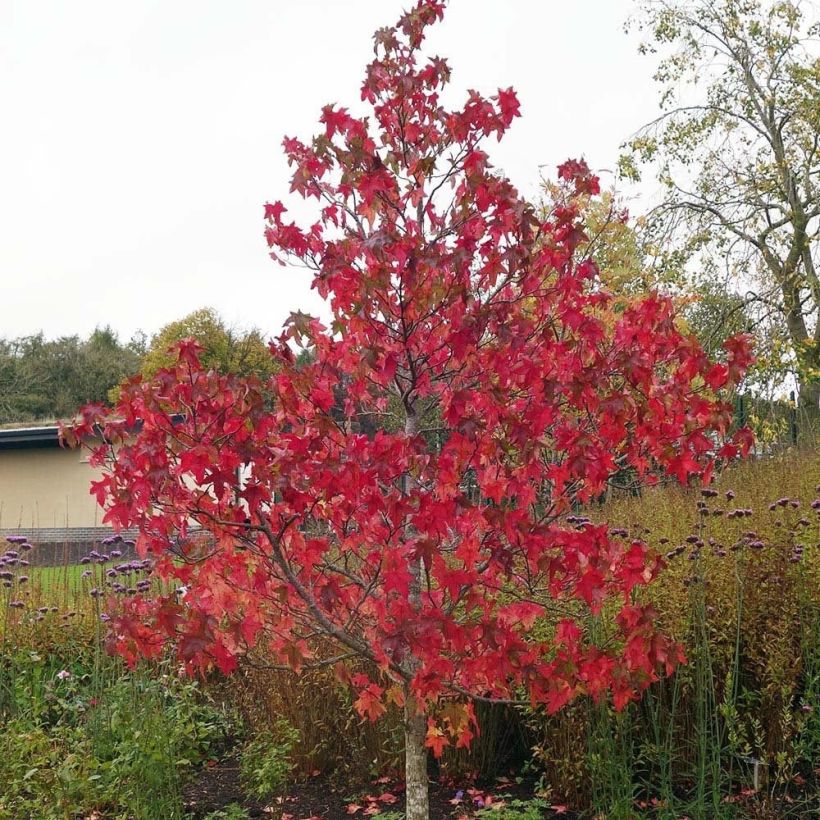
(85, 560)
(16, 539)
(17, 604)
(116, 553)
(22, 579)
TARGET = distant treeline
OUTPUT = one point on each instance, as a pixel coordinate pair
(46, 379)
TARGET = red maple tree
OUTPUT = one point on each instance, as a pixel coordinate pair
(404, 489)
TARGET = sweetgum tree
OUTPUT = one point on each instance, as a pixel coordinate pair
(406, 496)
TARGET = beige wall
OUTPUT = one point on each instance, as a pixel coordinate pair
(46, 487)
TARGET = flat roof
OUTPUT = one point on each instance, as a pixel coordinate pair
(22, 438)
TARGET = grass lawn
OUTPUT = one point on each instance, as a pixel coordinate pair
(62, 577)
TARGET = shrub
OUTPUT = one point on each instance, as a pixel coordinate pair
(265, 761)
(82, 733)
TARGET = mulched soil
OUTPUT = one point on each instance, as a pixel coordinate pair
(318, 798)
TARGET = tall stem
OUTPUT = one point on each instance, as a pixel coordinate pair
(415, 762)
(415, 721)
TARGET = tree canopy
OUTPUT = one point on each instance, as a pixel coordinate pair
(226, 349)
(428, 557)
(737, 147)
(50, 379)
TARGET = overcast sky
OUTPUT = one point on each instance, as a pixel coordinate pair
(139, 139)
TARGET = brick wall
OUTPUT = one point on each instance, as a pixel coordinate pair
(56, 546)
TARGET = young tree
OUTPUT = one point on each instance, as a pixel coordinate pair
(737, 149)
(430, 543)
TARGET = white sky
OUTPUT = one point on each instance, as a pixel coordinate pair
(139, 139)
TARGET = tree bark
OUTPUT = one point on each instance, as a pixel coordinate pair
(415, 721)
(415, 762)
(810, 399)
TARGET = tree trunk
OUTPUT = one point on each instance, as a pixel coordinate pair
(810, 399)
(415, 721)
(415, 763)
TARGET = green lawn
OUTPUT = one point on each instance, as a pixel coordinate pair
(63, 577)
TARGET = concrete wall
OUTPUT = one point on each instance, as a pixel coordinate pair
(44, 488)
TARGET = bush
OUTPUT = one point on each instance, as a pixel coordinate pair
(265, 761)
(82, 733)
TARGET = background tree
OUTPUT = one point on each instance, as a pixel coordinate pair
(737, 149)
(226, 349)
(428, 560)
(632, 263)
(49, 379)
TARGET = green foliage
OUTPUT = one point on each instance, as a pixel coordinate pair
(83, 734)
(232, 811)
(515, 809)
(151, 730)
(735, 148)
(266, 761)
(227, 350)
(48, 379)
(46, 772)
